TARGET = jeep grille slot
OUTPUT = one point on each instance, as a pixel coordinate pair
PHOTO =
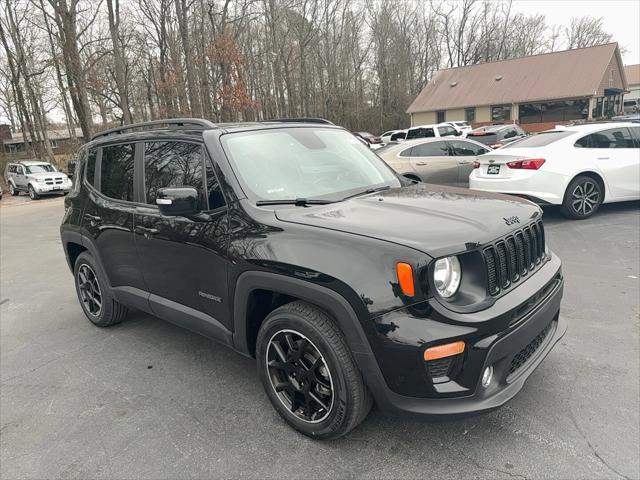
(509, 259)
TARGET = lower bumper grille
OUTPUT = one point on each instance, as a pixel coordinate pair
(527, 352)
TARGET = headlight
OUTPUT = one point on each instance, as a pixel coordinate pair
(447, 275)
(39, 180)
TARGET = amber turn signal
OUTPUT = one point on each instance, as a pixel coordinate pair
(405, 278)
(442, 351)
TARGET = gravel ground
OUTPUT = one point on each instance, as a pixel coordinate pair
(146, 399)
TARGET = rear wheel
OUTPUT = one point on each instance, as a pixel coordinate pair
(32, 193)
(583, 198)
(309, 373)
(96, 300)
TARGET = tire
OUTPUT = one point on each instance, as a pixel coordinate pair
(87, 275)
(13, 191)
(32, 193)
(582, 198)
(348, 402)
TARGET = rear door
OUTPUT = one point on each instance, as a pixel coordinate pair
(617, 156)
(107, 218)
(465, 153)
(433, 163)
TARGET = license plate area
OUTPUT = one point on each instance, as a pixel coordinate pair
(493, 169)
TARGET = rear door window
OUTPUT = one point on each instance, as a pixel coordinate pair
(420, 133)
(461, 148)
(172, 164)
(116, 171)
(612, 138)
(431, 149)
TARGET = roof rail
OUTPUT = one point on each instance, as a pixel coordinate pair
(301, 120)
(180, 123)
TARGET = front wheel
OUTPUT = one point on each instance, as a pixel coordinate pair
(583, 198)
(12, 190)
(33, 195)
(309, 373)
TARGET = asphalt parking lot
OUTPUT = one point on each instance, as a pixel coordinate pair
(145, 399)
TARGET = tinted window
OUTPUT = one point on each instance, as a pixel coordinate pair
(116, 171)
(466, 149)
(91, 166)
(420, 133)
(447, 131)
(398, 136)
(613, 138)
(406, 152)
(171, 164)
(635, 133)
(214, 192)
(509, 133)
(431, 149)
(540, 139)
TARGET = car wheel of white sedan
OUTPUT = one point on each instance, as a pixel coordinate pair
(582, 198)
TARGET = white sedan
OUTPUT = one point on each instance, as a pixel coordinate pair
(579, 167)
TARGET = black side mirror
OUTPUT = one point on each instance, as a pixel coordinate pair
(179, 201)
(458, 133)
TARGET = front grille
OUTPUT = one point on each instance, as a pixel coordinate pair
(511, 258)
(527, 352)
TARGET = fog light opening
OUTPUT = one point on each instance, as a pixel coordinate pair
(487, 375)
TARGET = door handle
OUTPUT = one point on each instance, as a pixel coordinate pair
(421, 164)
(603, 158)
(93, 219)
(146, 232)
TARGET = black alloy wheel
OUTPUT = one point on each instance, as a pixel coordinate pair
(89, 288)
(299, 376)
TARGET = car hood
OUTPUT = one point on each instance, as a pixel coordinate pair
(46, 175)
(434, 219)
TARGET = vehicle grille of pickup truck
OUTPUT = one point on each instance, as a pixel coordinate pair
(511, 258)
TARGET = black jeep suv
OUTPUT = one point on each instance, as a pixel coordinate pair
(295, 244)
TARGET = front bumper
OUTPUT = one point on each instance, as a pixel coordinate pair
(44, 189)
(514, 352)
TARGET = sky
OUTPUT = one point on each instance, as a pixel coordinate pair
(620, 18)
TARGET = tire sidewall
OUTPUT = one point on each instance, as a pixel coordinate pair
(12, 190)
(32, 193)
(338, 416)
(86, 259)
(568, 205)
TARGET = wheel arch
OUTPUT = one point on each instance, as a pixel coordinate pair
(336, 305)
(74, 244)
(593, 174)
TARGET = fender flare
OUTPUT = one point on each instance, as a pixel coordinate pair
(331, 301)
(69, 236)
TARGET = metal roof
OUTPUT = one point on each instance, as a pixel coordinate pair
(548, 76)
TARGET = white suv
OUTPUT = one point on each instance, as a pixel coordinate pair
(427, 131)
(36, 178)
(578, 167)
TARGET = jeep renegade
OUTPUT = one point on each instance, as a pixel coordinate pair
(295, 244)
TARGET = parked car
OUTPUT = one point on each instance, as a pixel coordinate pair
(372, 141)
(296, 245)
(497, 136)
(386, 136)
(37, 178)
(434, 160)
(71, 167)
(634, 117)
(462, 127)
(0, 192)
(579, 167)
(631, 105)
(397, 137)
(427, 131)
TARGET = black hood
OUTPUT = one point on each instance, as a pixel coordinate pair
(431, 218)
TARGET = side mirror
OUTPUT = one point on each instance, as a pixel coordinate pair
(458, 133)
(179, 201)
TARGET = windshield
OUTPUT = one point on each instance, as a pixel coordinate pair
(41, 168)
(541, 139)
(310, 163)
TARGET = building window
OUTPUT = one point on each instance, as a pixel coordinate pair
(440, 116)
(500, 113)
(470, 114)
(553, 111)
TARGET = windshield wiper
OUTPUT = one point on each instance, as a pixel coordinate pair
(298, 202)
(368, 191)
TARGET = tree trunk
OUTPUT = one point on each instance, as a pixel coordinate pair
(113, 7)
